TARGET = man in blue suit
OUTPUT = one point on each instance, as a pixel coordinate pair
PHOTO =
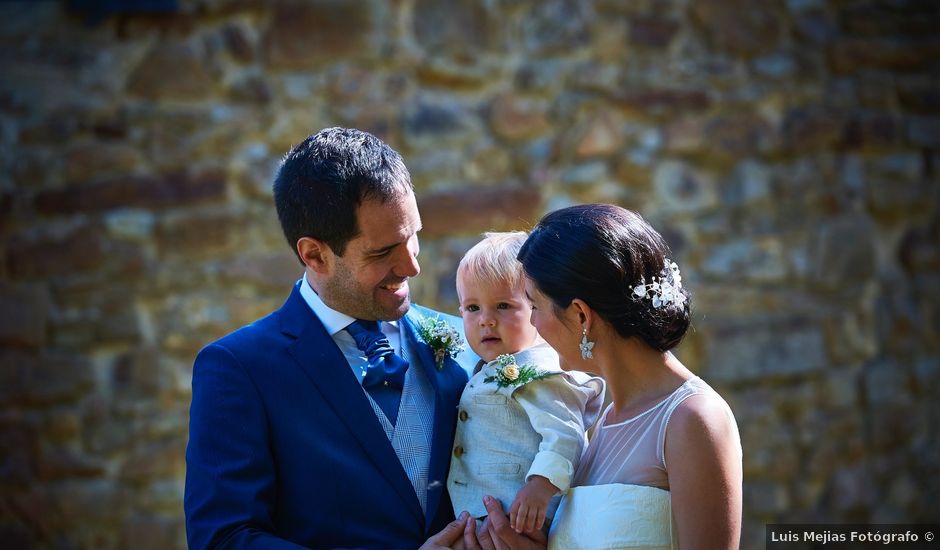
(329, 423)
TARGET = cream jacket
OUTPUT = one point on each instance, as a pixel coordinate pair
(505, 435)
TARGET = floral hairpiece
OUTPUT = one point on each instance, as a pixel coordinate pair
(660, 290)
(443, 339)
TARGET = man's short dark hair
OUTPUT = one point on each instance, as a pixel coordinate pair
(323, 180)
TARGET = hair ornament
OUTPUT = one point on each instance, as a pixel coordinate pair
(663, 290)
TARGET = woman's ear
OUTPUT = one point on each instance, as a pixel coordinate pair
(583, 314)
(315, 254)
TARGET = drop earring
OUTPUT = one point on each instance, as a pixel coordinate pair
(586, 345)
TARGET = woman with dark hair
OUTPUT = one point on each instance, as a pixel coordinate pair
(663, 468)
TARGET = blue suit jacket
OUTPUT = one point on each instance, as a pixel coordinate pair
(286, 452)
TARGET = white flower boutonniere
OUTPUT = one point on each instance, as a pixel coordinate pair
(443, 339)
(511, 374)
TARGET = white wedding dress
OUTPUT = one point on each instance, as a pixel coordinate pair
(613, 516)
(620, 492)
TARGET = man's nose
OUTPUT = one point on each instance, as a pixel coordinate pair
(408, 264)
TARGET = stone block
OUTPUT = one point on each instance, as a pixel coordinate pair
(13, 534)
(102, 432)
(274, 270)
(555, 26)
(251, 89)
(172, 69)
(474, 210)
(851, 336)
(844, 252)
(430, 122)
(893, 198)
(919, 95)
(685, 134)
(87, 160)
(19, 447)
(241, 42)
(51, 377)
(881, 20)
(90, 501)
(62, 424)
(661, 101)
(739, 26)
(199, 235)
(57, 463)
(78, 250)
(681, 188)
(765, 498)
(871, 131)
(924, 131)
(302, 35)
(599, 135)
(35, 511)
(461, 29)
(652, 31)
(887, 384)
(853, 55)
(25, 310)
(812, 128)
(514, 117)
(130, 224)
(851, 488)
(737, 135)
(137, 375)
(153, 532)
(154, 460)
(761, 260)
(763, 350)
(163, 191)
(919, 250)
(749, 184)
(816, 28)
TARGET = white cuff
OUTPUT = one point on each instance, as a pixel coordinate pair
(553, 466)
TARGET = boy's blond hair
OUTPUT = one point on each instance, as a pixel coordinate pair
(493, 260)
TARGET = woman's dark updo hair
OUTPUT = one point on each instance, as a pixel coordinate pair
(599, 253)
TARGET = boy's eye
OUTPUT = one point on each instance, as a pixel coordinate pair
(503, 305)
(472, 307)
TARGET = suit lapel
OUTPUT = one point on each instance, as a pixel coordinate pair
(445, 381)
(325, 365)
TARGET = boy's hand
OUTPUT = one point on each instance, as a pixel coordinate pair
(527, 512)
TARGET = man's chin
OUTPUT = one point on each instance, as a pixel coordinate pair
(394, 312)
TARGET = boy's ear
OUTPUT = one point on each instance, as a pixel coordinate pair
(316, 255)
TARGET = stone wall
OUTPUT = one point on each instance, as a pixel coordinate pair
(787, 149)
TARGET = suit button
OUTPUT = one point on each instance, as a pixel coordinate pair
(464, 416)
(458, 451)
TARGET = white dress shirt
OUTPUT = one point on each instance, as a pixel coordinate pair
(336, 322)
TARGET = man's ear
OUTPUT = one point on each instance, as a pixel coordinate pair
(315, 254)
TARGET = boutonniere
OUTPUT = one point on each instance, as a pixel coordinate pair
(443, 339)
(510, 373)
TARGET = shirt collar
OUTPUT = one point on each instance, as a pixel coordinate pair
(333, 321)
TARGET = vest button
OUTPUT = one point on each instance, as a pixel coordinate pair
(458, 451)
(464, 416)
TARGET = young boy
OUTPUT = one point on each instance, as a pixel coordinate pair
(522, 420)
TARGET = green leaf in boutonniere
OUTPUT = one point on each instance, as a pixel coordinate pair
(443, 339)
(510, 373)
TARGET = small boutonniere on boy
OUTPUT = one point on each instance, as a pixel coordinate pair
(443, 339)
(510, 373)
